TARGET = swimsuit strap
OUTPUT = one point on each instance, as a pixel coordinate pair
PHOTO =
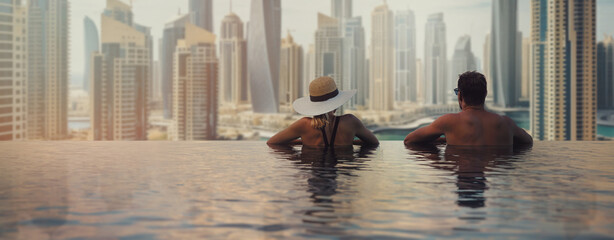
(324, 136)
(332, 140)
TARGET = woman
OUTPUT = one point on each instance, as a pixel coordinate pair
(324, 129)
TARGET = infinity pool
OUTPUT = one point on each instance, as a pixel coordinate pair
(187, 190)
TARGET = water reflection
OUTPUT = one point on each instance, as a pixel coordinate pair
(469, 165)
(325, 167)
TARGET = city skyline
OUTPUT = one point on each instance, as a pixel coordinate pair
(252, 58)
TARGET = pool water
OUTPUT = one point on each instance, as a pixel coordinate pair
(187, 190)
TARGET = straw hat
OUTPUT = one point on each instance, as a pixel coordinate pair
(323, 97)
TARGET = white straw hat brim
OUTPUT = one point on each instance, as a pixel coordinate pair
(306, 107)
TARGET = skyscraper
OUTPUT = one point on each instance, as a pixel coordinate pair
(201, 13)
(435, 74)
(420, 80)
(309, 69)
(233, 62)
(264, 36)
(563, 104)
(120, 79)
(354, 72)
(505, 53)
(329, 49)
(486, 68)
(341, 9)
(381, 87)
(173, 31)
(463, 59)
(605, 73)
(525, 83)
(91, 44)
(13, 72)
(48, 45)
(195, 86)
(405, 56)
(291, 73)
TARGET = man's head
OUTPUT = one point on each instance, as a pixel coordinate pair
(471, 89)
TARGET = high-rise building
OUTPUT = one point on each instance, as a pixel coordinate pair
(563, 104)
(462, 60)
(435, 63)
(156, 82)
(354, 72)
(264, 36)
(405, 56)
(341, 9)
(48, 45)
(525, 83)
(195, 100)
(486, 68)
(173, 31)
(150, 45)
(201, 13)
(120, 78)
(505, 54)
(329, 49)
(91, 45)
(309, 70)
(290, 73)
(234, 87)
(13, 71)
(382, 59)
(605, 73)
(419, 80)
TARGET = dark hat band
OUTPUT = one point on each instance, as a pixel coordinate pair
(324, 97)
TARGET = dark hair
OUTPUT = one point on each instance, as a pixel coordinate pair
(472, 88)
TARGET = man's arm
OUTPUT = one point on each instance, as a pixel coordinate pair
(520, 135)
(430, 133)
(288, 135)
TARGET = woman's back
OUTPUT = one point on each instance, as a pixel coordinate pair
(348, 127)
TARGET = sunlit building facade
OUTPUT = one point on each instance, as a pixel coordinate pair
(381, 86)
(13, 72)
(195, 86)
(563, 104)
(290, 73)
(120, 79)
(48, 43)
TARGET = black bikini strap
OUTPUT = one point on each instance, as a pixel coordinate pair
(324, 136)
(332, 140)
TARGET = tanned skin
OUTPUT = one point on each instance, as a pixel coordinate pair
(349, 127)
(473, 126)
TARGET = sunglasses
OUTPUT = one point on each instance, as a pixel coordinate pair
(456, 91)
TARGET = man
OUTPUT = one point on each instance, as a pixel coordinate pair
(473, 126)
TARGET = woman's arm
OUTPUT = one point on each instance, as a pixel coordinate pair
(365, 135)
(288, 135)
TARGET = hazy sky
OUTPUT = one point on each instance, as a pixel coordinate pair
(470, 17)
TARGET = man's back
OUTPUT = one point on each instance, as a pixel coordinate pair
(472, 128)
(477, 127)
